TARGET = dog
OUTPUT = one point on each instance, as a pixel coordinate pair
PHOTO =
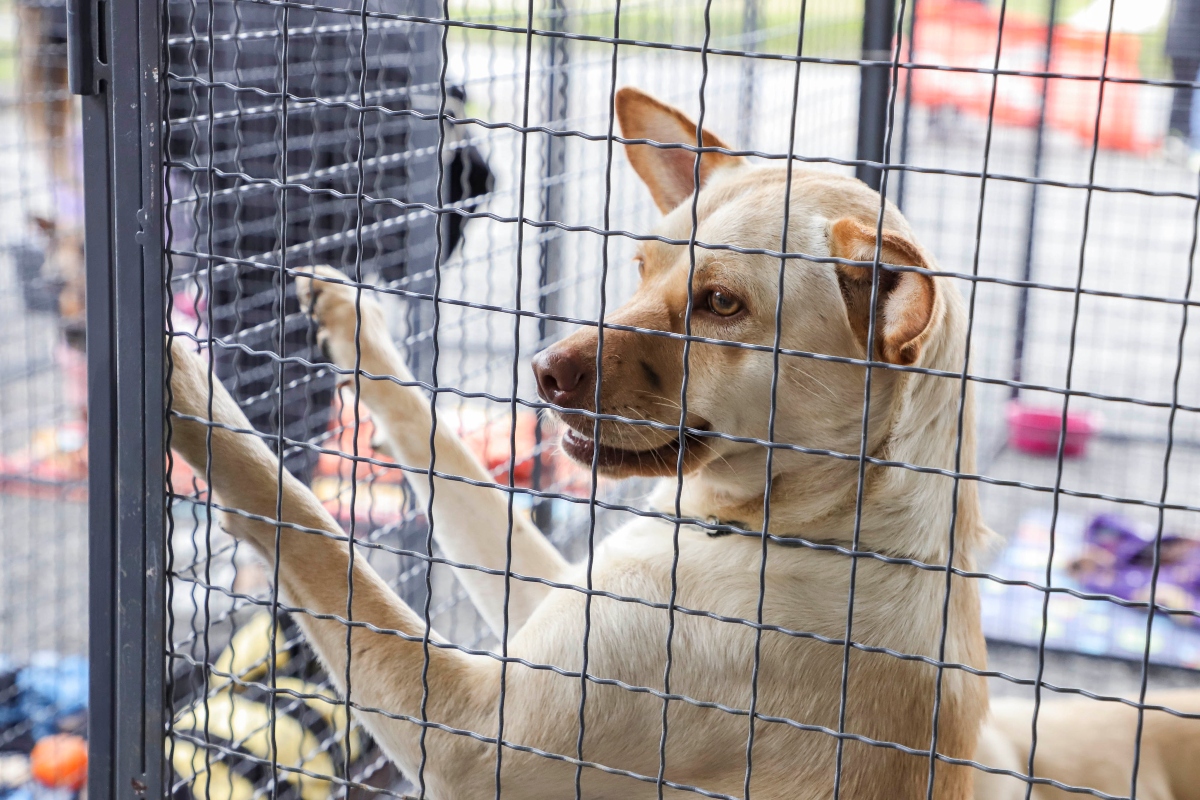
(1090, 744)
(51, 119)
(63, 269)
(637, 734)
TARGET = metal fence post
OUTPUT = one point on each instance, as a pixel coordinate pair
(550, 250)
(116, 54)
(746, 88)
(554, 154)
(879, 25)
(1022, 322)
(423, 139)
(906, 120)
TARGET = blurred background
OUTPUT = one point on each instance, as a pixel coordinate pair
(1083, 238)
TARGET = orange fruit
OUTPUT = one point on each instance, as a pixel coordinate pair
(60, 761)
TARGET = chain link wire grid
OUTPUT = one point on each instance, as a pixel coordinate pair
(448, 160)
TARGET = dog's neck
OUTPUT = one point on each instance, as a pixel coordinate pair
(901, 511)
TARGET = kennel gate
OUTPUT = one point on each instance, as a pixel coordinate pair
(123, 56)
(125, 61)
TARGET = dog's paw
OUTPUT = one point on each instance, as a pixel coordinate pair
(339, 309)
(327, 295)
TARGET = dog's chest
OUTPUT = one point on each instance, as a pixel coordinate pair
(718, 602)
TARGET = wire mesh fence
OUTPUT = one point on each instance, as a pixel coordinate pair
(471, 173)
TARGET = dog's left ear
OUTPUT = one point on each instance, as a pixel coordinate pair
(667, 172)
(905, 300)
(44, 224)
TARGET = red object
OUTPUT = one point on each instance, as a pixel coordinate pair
(60, 761)
(960, 33)
(1071, 104)
(487, 439)
(1036, 430)
(53, 465)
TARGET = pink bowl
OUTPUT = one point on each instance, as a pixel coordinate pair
(1036, 430)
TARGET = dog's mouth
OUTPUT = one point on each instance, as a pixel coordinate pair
(612, 460)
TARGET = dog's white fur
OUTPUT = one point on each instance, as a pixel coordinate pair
(907, 513)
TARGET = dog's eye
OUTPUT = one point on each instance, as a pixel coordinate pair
(722, 304)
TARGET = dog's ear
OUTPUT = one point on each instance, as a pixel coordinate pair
(667, 172)
(905, 300)
(44, 224)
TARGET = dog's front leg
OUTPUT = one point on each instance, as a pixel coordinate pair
(384, 639)
(471, 523)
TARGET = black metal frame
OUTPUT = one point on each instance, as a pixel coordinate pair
(115, 56)
(879, 27)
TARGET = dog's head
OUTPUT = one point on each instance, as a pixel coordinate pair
(64, 268)
(734, 298)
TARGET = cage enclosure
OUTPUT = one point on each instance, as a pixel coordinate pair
(462, 166)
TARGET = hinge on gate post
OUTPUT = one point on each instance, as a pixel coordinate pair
(81, 50)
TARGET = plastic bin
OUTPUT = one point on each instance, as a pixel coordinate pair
(1036, 430)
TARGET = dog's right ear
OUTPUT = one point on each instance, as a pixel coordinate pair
(44, 224)
(905, 300)
(667, 172)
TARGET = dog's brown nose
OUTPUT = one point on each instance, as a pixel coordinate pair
(560, 377)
